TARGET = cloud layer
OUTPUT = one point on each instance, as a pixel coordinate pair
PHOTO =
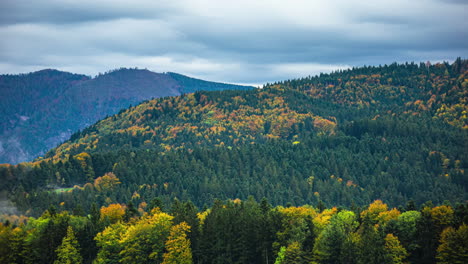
(240, 41)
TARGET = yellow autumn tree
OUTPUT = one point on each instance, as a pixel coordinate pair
(442, 215)
(374, 210)
(296, 212)
(106, 182)
(323, 219)
(108, 242)
(178, 246)
(143, 242)
(114, 212)
(324, 126)
(386, 216)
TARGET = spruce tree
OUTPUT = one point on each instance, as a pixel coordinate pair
(68, 252)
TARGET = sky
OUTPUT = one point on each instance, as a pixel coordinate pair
(242, 41)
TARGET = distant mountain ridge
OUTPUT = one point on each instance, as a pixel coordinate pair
(41, 109)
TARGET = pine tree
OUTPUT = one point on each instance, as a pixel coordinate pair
(68, 252)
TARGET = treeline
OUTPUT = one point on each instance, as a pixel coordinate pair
(238, 231)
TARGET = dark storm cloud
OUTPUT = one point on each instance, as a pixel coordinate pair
(242, 41)
(67, 12)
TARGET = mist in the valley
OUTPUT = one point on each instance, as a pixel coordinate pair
(6, 206)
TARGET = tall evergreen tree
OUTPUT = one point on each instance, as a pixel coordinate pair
(69, 251)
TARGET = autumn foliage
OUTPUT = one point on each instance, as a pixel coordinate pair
(113, 212)
(106, 182)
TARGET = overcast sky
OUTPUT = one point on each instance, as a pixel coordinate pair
(239, 41)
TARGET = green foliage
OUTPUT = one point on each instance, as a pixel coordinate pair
(68, 252)
(408, 88)
(454, 245)
(280, 258)
(45, 235)
(333, 244)
(394, 251)
(367, 141)
(228, 118)
(371, 244)
(358, 169)
(143, 242)
(12, 244)
(407, 229)
(232, 144)
(108, 243)
(187, 213)
(237, 231)
(293, 254)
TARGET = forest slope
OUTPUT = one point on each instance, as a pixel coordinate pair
(39, 110)
(399, 141)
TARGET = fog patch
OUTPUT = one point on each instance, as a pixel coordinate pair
(7, 207)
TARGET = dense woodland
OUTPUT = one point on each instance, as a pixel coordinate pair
(352, 141)
(337, 170)
(238, 231)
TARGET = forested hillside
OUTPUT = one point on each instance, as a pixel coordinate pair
(282, 142)
(367, 165)
(42, 109)
(440, 90)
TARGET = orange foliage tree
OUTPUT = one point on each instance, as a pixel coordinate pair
(106, 182)
(113, 212)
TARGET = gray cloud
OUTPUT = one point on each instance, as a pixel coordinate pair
(69, 12)
(242, 41)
